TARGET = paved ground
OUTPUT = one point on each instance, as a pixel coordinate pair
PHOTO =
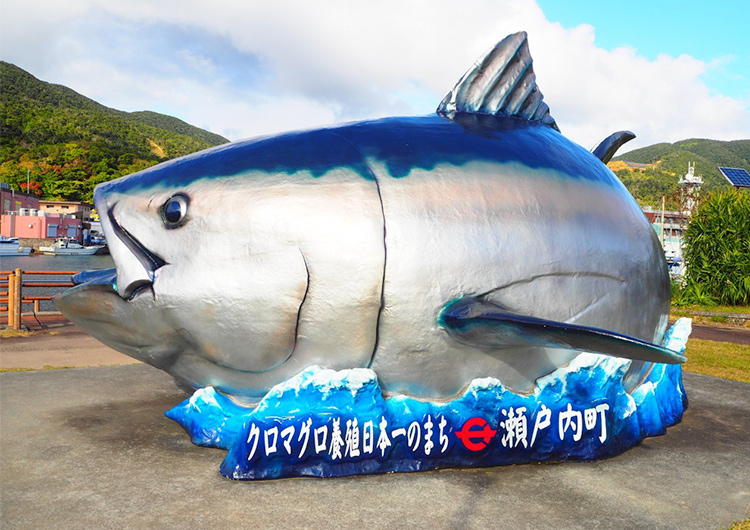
(65, 346)
(91, 448)
(721, 334)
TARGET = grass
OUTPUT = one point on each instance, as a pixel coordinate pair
(10, 333)
(715, 308)
(719, 359)
(14, 333)
(713, 321)
(740, 525)
(689, 311)
(45, 367)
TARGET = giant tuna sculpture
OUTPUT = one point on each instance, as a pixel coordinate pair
(475, 242)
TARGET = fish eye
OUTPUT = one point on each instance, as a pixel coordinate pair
(174, 211)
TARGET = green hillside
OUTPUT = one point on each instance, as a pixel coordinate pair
(666, 163)
(68, 143)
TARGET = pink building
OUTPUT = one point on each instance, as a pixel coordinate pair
(12, 201)
(22, 217)
(38, 225)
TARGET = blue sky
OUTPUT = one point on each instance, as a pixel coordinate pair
(715, 32)
(244, 68)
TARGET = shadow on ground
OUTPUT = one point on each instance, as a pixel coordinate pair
(91, 447)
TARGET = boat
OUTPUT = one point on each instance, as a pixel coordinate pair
(676, 268)
(67, 247)
(9, 246)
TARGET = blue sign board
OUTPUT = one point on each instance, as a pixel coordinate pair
(326, 423)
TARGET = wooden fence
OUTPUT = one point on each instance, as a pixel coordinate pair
(15, 286)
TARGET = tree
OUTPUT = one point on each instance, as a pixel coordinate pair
(33, 187)
(69, 143)
(717, 248)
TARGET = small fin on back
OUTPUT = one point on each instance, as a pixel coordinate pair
(501, 82)
(609, 146)
(482, 324)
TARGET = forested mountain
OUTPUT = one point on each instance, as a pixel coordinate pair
(67, 143)
(660, 166)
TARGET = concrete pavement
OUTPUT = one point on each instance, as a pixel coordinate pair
(65, 346)
(91, 448)
(735, 335)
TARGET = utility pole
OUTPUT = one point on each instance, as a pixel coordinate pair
(662, 221)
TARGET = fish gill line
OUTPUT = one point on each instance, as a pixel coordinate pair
(385, 244)
(301, 305)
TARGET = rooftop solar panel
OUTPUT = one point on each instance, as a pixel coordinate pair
(735, 176)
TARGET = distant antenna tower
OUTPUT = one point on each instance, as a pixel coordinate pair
(690, 186)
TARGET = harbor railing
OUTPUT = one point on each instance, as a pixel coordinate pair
(14, 289)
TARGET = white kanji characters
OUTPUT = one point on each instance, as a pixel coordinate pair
(271, 447)
(589, 418)
(352, 438)
(337, 442)
(542, 421)
(304, 432)
(287, 435)
(591, 415)
(253, 435)
(368, 438)
(428, 443)
(570, 419)
(383, 441)
(358, 438)
(515, 426)
(601, 409)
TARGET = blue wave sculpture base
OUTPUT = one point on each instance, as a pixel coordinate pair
(325, 423)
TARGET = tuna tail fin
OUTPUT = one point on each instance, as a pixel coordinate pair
(501, 82)
(482, 324)
(609, 146)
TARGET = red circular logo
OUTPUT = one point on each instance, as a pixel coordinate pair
(476, 429)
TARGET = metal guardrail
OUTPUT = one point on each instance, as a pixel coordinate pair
(12, 297)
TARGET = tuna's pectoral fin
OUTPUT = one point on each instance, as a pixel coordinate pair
(479, 323)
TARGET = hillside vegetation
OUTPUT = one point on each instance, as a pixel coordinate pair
(666, 163)
(717, 250)
(67, 143)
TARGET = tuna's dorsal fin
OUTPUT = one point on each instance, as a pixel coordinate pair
(482, 324)
(609, 146)
(501, 82)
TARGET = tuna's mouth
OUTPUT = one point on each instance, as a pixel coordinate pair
(99, 277)
(106, 279)
(135, 265)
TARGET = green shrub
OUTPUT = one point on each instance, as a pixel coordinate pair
(688, 294)
(717, 250)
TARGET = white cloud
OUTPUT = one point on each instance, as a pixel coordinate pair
(310, 63)
(198, 62)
